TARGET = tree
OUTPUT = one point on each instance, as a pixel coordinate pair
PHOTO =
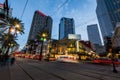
(14, 23)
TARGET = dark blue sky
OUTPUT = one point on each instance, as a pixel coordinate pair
(83, 12)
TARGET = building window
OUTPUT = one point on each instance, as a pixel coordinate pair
(118, 1)
(114, 3)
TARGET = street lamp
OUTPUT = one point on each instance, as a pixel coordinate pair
(43, 35)
(112, 50)
(114, 67)
(17, 25)
(12, 30)
(42, 39)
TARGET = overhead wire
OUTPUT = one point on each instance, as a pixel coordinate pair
(62, 5)
(92, 19)
(83, 23)
(88, 21)
(24, 9)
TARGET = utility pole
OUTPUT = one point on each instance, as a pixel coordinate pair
(6, 8)
(113, 59)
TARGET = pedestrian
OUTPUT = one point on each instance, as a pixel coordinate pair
(12, 61)
(0, 55)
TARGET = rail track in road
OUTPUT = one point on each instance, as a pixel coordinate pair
(89, 72)
(72, 72)
(67, 71)
(87, 69)
(25, 71)
(99, 76)
(28, 74)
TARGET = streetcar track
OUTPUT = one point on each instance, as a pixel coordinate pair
(72, 72)
(49, 73)
(100, 74)
(59, 77)
(83, 74)
(25, 71)
(88, 70)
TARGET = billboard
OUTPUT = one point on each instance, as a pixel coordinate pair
(74, 36)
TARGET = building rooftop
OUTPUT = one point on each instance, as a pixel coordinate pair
(41, 13)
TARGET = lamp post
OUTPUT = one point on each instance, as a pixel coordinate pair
(42, 39)
(114, 67)
(41, 51)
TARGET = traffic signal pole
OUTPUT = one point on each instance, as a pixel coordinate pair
(41, 50)
(113, 64)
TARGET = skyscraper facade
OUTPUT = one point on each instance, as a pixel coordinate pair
(93, 34)
(40, 23)
(108, 13)
(66, 26)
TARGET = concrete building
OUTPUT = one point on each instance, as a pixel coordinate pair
(66, 26)
(116, 37)
(108, 14)
(99, 49)
(93, 34)
(116, 40)
(40, 23)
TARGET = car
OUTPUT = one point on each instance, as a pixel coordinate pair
(32, 56)
(49, 58)
(65, 58)
(38, 57)
(22, 55)
(105, 61)
(27, 56)
(52, 58)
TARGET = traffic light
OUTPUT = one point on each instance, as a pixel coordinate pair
(43, 39)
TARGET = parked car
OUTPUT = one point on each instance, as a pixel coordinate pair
(49, 58)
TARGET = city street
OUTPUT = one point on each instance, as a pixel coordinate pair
(25, 69)
(60, 40)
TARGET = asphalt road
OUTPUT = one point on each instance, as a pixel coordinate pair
(25, 69)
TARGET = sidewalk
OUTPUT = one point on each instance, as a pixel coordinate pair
(4, 73)
(12, 72)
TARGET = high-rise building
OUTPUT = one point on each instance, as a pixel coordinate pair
(66, 26)
(40, 23)
(116, 37)
(93, 34)
(108, 13)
